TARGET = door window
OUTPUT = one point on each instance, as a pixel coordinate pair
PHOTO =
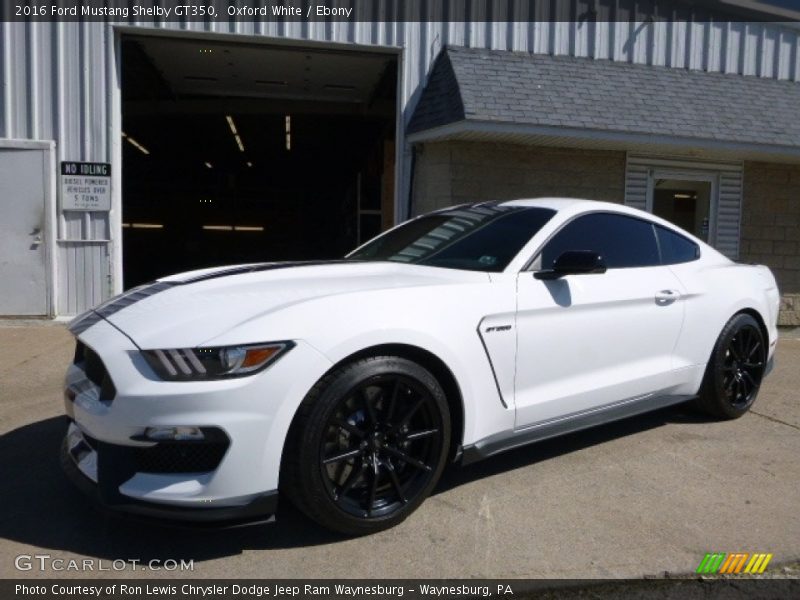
(622, 241)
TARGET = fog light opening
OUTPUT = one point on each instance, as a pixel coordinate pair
(174, 434)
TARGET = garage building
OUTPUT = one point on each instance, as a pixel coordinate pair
(130, 149)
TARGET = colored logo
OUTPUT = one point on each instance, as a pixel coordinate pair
(721, 563)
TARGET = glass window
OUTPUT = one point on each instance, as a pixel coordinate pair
(675, 248)
(686, 204)
(622, 241)
(476, 238)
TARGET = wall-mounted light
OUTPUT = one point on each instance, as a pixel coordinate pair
(208, 165)
(249, 164)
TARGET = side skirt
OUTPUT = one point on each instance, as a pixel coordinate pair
(508, 440)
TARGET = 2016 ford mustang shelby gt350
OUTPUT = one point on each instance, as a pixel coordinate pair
(349, 384)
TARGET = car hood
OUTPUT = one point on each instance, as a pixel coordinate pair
(190, 309)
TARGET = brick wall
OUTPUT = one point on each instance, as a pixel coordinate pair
(449, 173)
(771, 228)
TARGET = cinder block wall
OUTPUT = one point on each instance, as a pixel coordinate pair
(448, 173)
(771, 228)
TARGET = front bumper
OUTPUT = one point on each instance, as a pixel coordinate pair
(104, 448)
(97, 477)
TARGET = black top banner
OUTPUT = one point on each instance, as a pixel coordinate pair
(143, 11)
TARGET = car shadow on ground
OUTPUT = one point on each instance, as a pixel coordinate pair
(41, 508)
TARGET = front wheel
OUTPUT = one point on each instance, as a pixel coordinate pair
(368, 445)
(735, 370)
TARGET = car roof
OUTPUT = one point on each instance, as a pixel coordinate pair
(569, 207)
(553, 202)
(574, 206)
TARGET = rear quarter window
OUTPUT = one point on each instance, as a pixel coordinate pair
(675, 248)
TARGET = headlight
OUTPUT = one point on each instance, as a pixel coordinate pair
(191, 364)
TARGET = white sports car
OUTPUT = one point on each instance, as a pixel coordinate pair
(349, 384)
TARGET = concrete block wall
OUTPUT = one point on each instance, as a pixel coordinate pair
(448, 173)
(771, 228)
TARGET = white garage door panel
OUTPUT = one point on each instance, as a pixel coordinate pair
(23, 274)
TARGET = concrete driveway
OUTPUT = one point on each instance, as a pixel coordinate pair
(638, 497)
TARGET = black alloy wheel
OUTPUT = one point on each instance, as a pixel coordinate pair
(368, 445)
(743, 367)
(381, 445)
(734, 372)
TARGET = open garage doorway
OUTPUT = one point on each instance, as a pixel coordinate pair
(247, 152)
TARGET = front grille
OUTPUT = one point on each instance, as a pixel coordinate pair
(95, 371)
(164, 457)
(180, 457)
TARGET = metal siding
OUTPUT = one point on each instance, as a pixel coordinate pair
(636, 176)
(729, 212)
(729, 192)
(58, 79)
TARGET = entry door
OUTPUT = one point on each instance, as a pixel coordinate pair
(587, 341)
(23, 271)
(686, 199)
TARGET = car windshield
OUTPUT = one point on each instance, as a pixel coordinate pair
(475, 238)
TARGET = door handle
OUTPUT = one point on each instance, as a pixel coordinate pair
(665, 297)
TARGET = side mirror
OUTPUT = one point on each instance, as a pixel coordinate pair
(574, 262)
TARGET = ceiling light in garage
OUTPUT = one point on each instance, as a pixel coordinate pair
(231, 124)
(218, 227)
(683, 196)
(135, 144)
(249, 164)
(208, 165)
(235, 133)
(288, 129)
(147, 226)
(247, 228)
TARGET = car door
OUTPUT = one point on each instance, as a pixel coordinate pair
(591, 340)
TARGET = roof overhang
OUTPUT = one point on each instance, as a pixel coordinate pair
(580, 138)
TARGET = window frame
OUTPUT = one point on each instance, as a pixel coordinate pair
(533, 265)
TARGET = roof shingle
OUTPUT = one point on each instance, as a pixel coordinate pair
(531, 89)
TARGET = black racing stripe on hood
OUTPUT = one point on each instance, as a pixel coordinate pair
(115, 304)
(82, 322)
(258, 268)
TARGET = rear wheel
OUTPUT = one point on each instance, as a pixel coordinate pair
(367, 445)
(734, 373)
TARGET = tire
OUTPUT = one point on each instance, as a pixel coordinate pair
(367, 446)
(735, 370)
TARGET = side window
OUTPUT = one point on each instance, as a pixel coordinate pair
(622, 241)
(675, 248)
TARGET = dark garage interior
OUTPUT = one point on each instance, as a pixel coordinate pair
(237, 153)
